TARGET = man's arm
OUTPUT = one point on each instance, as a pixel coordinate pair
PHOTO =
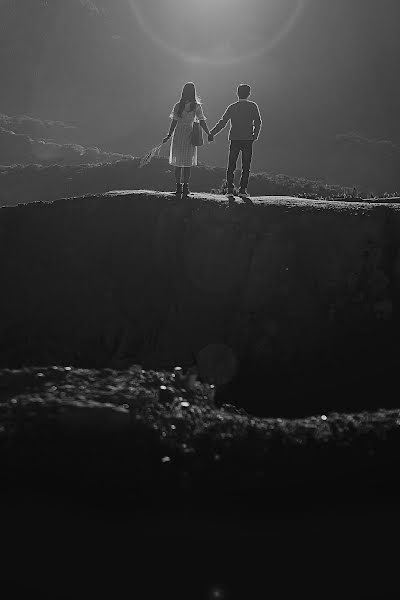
(221, 123)
(257, 123)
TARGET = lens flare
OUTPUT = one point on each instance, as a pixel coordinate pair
(238, 42)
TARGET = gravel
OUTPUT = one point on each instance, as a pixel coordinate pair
(150, 432)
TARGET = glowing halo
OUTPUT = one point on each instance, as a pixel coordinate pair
(225, 58)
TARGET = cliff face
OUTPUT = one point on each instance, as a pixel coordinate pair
(286, 302)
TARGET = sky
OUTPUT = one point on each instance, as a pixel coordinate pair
(318, 69)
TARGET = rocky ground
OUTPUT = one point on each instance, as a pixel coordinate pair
(135, 480)
(249, 294)
(136, 429)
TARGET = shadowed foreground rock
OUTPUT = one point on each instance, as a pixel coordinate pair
(110, 490)
(118, 431)
(295, 300)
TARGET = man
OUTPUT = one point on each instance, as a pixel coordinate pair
(245, 119)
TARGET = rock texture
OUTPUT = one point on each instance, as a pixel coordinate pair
(298, 299)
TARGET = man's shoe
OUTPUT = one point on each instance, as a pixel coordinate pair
(244, 194)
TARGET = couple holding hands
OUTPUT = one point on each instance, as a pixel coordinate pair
(245, 119)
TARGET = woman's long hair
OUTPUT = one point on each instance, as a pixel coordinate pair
(188, 95)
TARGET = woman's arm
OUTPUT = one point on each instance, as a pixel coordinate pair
(201, 118)
(171, 130)
(203, 125)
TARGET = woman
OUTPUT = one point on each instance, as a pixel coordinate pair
(183, 155)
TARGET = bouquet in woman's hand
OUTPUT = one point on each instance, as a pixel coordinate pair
(155, 152)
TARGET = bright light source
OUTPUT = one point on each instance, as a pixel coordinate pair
(218, 32)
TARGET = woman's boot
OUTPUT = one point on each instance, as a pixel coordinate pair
(186, 191)
(178, 192)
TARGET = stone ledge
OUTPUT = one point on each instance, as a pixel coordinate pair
(287, 285)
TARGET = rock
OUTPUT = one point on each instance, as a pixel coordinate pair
(302, 295)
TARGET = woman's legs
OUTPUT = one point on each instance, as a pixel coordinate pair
(178, 172)
(186, 179)
(187, 171)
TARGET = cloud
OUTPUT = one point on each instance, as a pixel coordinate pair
(367, 162)
(364, 143)
(91, 6)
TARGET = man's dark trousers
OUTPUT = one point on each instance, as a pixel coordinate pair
(246, 148)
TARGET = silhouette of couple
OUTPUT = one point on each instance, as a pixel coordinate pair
(245, 119)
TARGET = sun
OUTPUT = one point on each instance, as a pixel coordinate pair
(217, 32)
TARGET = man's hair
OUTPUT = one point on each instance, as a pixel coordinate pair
(243, 91)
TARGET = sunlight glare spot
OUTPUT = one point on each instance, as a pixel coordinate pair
(217, 594)
(239, 46)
